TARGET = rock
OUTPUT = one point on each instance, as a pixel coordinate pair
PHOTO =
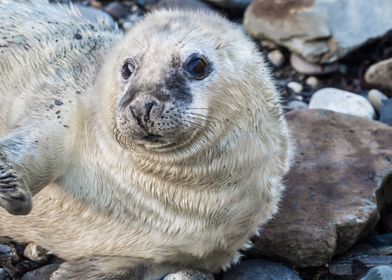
(41, 273)
(379, 75)
(386, 112)
(343, 102)
(320, 31)
(116, 9)
(307, 68)
(260, 270)
(296, 105)
(334, 189)
(189, 275)
(382, 242)
(276, 57)
(96, 16)
(377, 99)
(379, 273)
(295, 87)
(2, 274)
(312, 82)
(181, 4)
(231, 4)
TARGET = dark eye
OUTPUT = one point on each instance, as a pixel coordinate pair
(197, 66)
(127, 70)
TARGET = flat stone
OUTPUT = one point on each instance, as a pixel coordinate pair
(379, 75)
(334, 190)
(343, 102)
(319, 30)
(260, 270)
(304, 67)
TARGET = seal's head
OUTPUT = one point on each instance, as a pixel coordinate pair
(182, 79)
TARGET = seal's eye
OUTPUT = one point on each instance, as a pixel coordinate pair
(197, 66)
(127, 70)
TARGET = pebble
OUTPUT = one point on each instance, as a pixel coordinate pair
(269, 45)
(260, 270)
(307, 68)
(312, 82)
(188, 275)
(343, 102)
(276, 57)
(377, 98)
(35, 253)
(296, 105)
(295, 87)
(2, 274)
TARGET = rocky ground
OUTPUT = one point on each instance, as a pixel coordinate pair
(336, 217)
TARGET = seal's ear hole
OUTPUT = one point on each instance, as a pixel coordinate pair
(128, 69)
(197, 66)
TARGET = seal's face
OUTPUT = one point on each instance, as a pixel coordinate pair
(172, 72)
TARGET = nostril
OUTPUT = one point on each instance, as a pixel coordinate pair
(147, 110)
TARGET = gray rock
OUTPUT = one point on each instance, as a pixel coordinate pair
(42, 273)
(379, 75)
(379, 273)
(231, 4)
(321, 31)
(386, 112)
(343, 102)
(377, 99)
(260, 270)
(334, 189)
(96, 16)
(2, 274)
(302, 66)
(189, 275)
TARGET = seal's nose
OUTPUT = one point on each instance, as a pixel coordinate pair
(142, 111)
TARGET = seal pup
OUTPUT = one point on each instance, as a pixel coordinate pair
(133, 156)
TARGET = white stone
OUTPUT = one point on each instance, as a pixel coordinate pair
(295, 87)
(343, 102)
(312, 82)
(276, 57)
(376, 98)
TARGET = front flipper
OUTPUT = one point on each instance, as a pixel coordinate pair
(14, 196)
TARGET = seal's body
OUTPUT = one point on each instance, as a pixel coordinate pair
(162, 148)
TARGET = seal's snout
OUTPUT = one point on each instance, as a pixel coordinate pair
(145, 111)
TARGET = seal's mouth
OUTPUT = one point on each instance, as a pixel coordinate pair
(153, 138)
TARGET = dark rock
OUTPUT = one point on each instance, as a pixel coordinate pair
(117, 10)
(42, 273)
(260, 270)
(231, 4)
(335, 189)
(385, 224)
(386, 112)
